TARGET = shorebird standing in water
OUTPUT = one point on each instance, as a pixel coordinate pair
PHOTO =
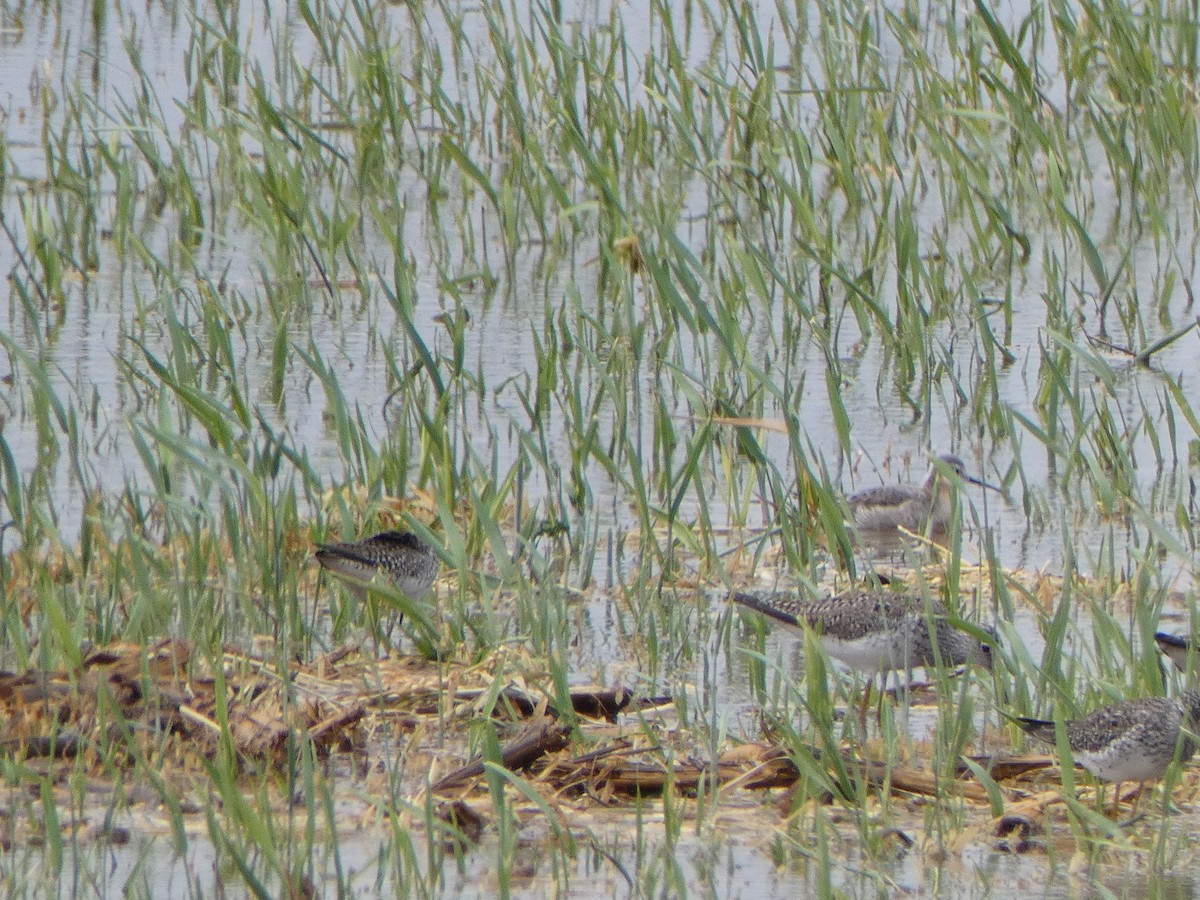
(400, 558)
(1131, 741)
(913, 507)
(878, 631)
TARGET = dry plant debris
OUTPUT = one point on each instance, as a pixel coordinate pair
(161, 703)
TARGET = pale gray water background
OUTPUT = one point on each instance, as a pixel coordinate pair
(51, 50)
(889, 446)
(51, 45)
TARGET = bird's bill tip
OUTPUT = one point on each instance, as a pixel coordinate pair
(984, 484)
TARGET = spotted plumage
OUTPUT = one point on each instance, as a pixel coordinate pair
(401, 557)
(912, 507)
(1131, 741)
(878, 631)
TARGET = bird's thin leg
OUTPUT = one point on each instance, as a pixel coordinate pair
(909, 681)
(1137, 798)
(394, 621)
(1116, 802)
(862, 707)
(883, 692)
(375, 623)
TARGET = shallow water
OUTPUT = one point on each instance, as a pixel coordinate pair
(56, 51)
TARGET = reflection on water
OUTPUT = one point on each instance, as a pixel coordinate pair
(1169, 886)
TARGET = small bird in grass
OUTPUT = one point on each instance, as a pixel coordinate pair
(878, 631)
(913, 507)
(1131, 741)
(400, 557)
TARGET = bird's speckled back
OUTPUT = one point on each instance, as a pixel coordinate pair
(903, 619)
(408, 561)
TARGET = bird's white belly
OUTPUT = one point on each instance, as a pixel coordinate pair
(1123, 766)
(870, 653)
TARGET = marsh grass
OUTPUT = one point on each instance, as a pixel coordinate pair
(516, 262)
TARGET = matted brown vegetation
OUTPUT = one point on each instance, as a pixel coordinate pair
(165, 703)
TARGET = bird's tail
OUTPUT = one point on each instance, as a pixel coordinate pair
(1173, 641)
(765, 606)
(1177, 648)
(1041, 729)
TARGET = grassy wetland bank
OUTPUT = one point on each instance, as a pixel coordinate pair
(613, 303)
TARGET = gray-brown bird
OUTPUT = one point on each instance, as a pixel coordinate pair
(1135, 740)
(878, 631)
(913, 507)
(402, 558)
